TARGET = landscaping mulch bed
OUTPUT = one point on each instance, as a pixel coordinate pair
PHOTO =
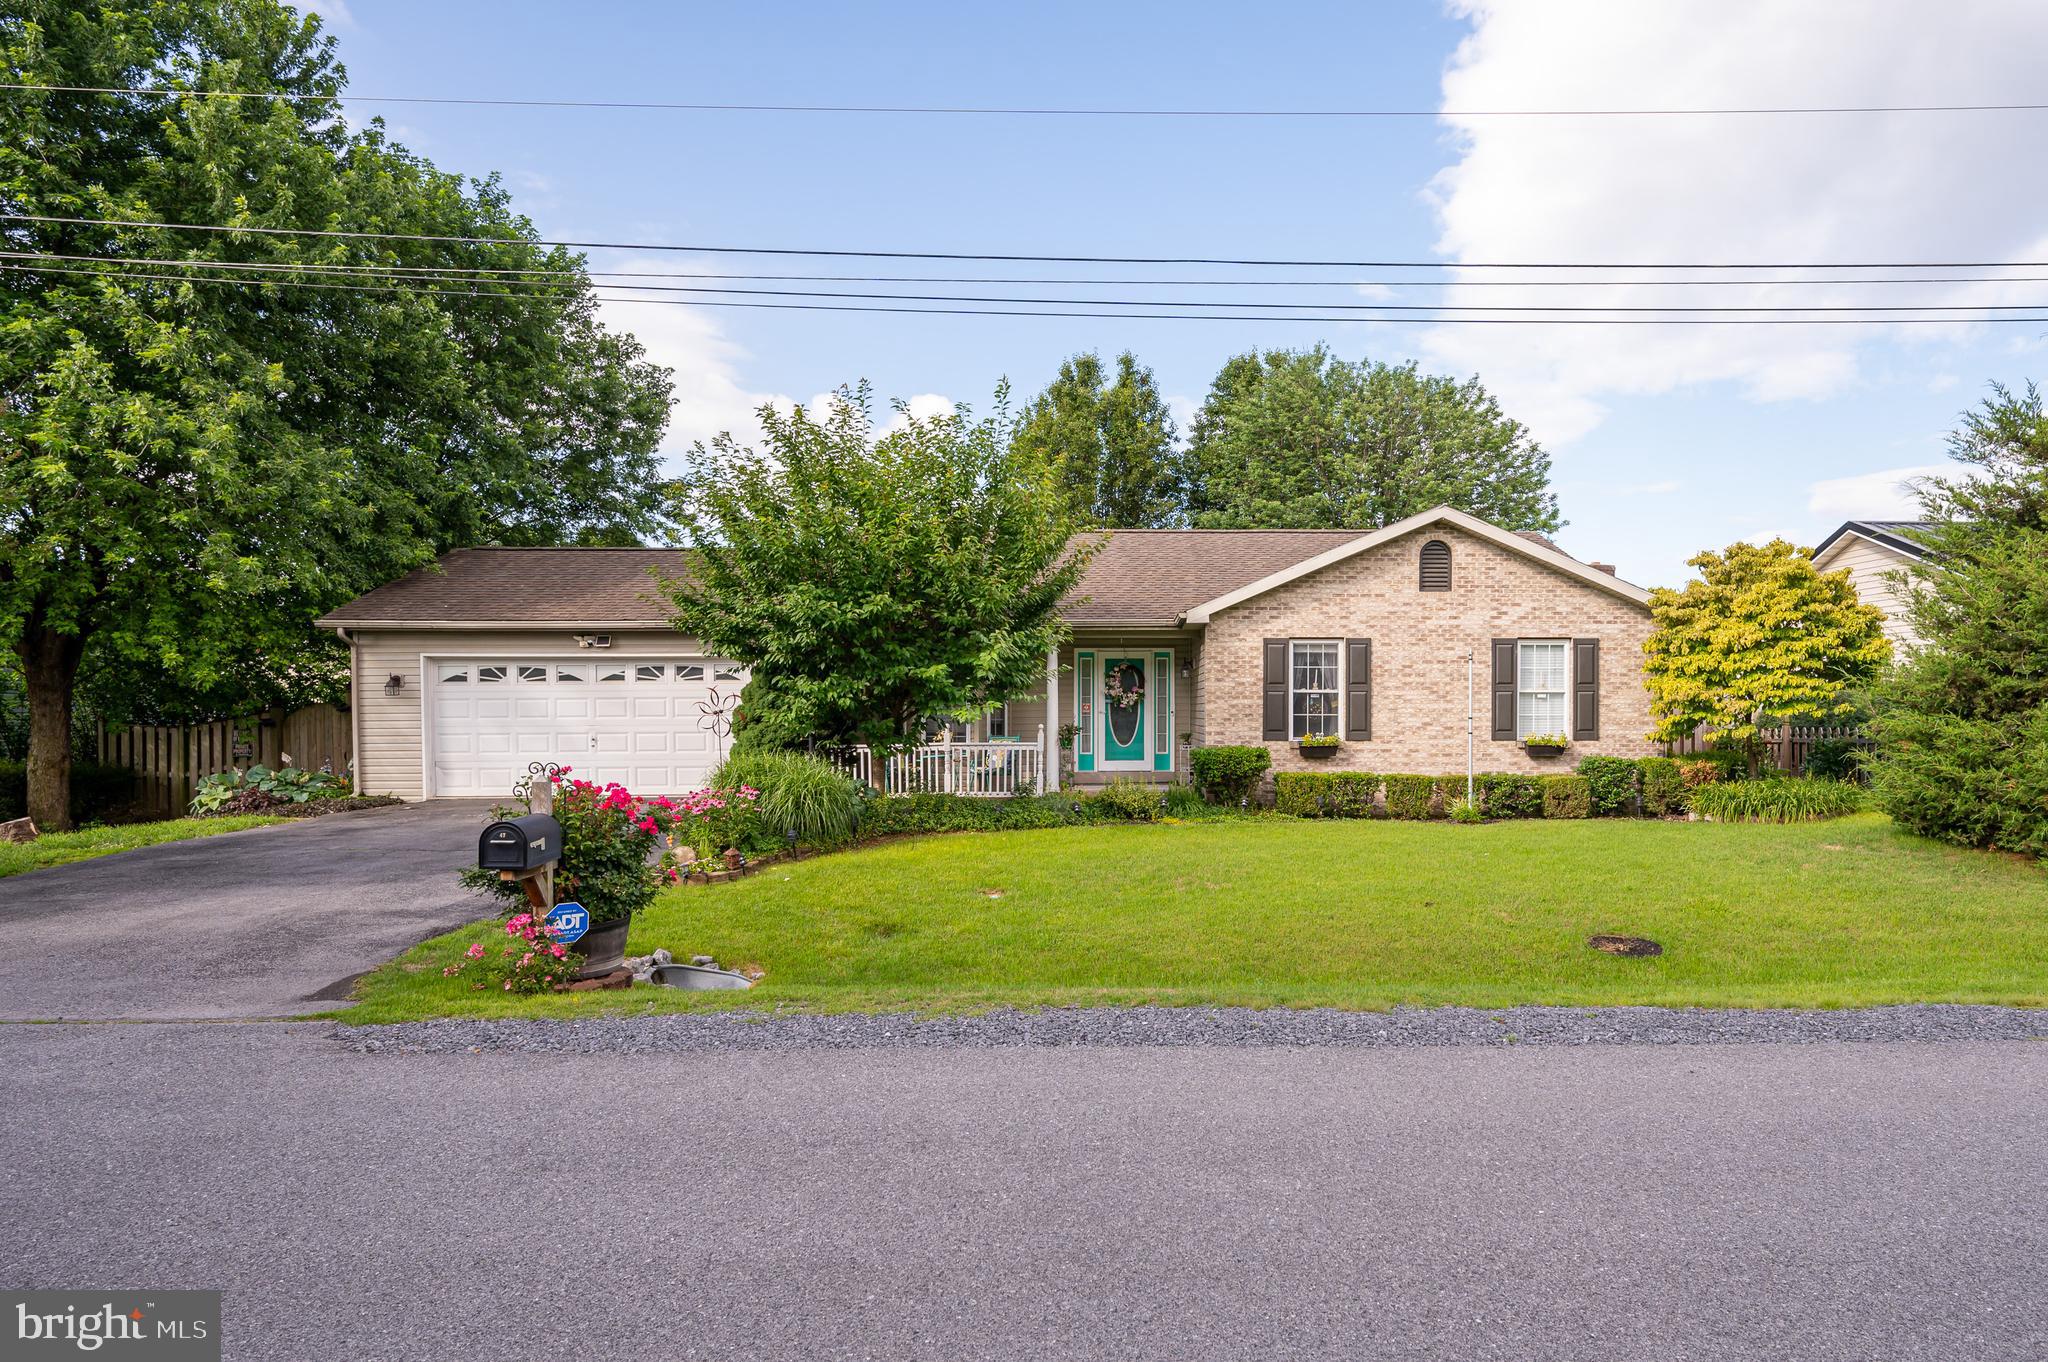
(1237, 1027)
(256, 801)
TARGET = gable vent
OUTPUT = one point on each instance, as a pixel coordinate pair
(1436, 566)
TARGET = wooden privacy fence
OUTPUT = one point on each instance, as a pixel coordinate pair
(1786, 746)
(169, 760)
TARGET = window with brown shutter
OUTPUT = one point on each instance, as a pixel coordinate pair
(1273, 711)
(1585, 689)
(1504, 689)
(1436, 566)
(1358, 689)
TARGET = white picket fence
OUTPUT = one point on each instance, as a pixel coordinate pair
(988, 770)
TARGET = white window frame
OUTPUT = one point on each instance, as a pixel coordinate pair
(1296, 720)
(988, 724)
(1524, 726)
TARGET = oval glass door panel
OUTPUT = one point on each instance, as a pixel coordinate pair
(1123, 709)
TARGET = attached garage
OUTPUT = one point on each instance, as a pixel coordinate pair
(452, 699)
(645, 722)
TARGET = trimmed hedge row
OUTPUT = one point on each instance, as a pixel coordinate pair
(1117, 802)
(1363, 794)
(96, 790)
(1604, 787)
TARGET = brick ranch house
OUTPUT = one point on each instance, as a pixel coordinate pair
(464, 672)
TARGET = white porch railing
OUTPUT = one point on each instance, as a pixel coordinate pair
(991, 770)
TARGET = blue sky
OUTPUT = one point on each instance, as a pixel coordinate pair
(1664, 440)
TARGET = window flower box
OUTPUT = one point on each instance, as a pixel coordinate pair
(1318, 746)
(1545, 744)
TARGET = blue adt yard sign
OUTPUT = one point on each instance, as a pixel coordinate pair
(570, 921)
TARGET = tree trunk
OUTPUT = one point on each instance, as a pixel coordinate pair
(49, 663)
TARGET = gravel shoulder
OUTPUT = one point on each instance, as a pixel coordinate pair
(1165, 1027)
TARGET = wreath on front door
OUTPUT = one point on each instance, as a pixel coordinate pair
(1124, 686)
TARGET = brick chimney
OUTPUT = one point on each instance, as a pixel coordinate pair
(1607, 568)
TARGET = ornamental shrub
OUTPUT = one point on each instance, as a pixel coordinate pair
(1567, 797)
(1696, 773)
(1510, 794)
(1663, 787)
(1228, 775)
(1325, 794)
(799, 793)
(285, 785)
(1127, 801)
(1777, 799)
(1616, 785)
(1183, 802)
(532, 962)
(1834, 759)
(893, 815)
(1415, 797)
(617, 848)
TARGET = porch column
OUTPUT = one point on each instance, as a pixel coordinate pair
(1049, 778)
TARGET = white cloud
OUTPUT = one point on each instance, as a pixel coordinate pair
(709, 394)
(1878, 188)
(335, 12)
(1884, 495)
(922, 407)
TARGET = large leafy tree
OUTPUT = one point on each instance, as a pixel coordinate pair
(193, 465)
(1299, 439)
(873, 583)
(1110, 442)
(1759, 635)
(1962, 722)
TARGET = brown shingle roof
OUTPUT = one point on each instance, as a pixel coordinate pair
(1139, 576)
(506, 586)
(1152, 576)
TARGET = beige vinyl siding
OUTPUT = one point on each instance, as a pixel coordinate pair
(390, 755)
(1869, 565)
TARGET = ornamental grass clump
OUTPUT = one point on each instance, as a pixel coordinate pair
(1777, 800)
(796, 793)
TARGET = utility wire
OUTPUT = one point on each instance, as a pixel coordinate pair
(428, 271)
(1073, 311)
(1051, 259)
(1029, 111)
(1369, 308)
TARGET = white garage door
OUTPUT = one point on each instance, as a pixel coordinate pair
(638, 721)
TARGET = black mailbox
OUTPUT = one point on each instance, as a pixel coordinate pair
(520, 844)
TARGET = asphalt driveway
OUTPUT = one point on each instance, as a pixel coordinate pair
(272, 922)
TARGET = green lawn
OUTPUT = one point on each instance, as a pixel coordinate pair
(1345, 914)
(57, 848)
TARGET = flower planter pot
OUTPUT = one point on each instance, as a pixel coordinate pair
(1317, 753)
(1544, 749)
(604, 948)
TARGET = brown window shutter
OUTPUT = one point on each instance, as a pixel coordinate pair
(1504, 689)
(1358, 689)
(1585, 689)
(1275, 716)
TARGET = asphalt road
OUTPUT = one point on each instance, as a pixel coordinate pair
(271, 922)
(1801, 1202)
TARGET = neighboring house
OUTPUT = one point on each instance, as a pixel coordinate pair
(505, 656)
(1875, 552)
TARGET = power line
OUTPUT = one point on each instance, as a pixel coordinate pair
(1366, 307)
(1030, 111)
(1039, 259)
(1434, 320)
(428, 271)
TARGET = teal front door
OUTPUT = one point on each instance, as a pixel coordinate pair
(1123, 710)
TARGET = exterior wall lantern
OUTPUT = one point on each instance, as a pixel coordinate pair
(395, 685)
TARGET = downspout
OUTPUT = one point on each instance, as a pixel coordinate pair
(355, 713)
